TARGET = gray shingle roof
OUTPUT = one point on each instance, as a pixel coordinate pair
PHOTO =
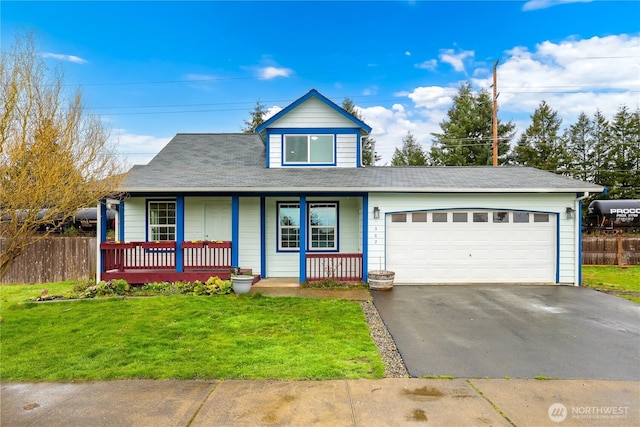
(236, 162)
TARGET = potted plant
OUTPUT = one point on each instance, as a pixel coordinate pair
(241, 282)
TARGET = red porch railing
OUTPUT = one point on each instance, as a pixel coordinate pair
(346, 267)
(206, 255)
(138, 256)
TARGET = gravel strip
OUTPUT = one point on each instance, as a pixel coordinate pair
(393, 364)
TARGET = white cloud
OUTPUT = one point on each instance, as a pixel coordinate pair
(137, 149)
(271, 111)
(66, 58)
(270, 72)
(455, 59)
(407, 53)
(543, 4)
(429, 64)
(572, 76)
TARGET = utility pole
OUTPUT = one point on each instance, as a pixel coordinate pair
(495, 113)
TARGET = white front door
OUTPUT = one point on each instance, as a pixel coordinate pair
(217, 221)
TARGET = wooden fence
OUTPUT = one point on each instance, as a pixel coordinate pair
(611, 250)
(54, 259)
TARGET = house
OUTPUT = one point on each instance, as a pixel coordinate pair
(294, 200)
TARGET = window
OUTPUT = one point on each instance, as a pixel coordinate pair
(501, 217)
(399, 217)
(323, 224)
(322, 220)
(162, 221)
(540, 217)
(480, 217)
(439, 217)
(311, 149)
(521, 217)
(459, 217)
(288, 226)
(419, 217)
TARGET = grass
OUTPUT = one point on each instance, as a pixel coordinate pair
(184, 337)
(621, 281)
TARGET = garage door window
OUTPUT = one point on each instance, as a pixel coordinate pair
(459, 217)
(540, 217)
(480, 217)
(439, 217)
(399, 218)
(501, 217)
(419, 217)
(521, 217)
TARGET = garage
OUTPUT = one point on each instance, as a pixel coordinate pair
(472, 246)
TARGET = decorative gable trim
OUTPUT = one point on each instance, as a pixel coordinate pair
(315, 94)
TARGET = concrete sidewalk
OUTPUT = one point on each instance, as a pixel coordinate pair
(386, 402)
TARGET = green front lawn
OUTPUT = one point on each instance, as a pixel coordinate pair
(622, 281)
(185, 337)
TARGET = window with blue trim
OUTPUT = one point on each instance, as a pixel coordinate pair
(162, 220)
(322, 224)
(309, 149)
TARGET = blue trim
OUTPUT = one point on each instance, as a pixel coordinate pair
(558, 247)
(121, 221)
(235, 230)
(315, 94)
(358, 151)
(365, 237)
(314, 131)
(179, 233)
(337, 236)
(303, 238)
(579, 237)
(103, 220)
(335, 149)
(263, 238)
(278, 248)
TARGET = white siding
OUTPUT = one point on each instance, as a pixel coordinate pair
(135, 221)
(346, 151)
(313, 113)
(275, 151)
(249, 238)
(554, 203)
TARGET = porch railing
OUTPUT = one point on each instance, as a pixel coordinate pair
(206, 255)
(344, 267)
(202, 255)
(138, 256)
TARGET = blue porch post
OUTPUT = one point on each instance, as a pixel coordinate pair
(235, 230)
(103, 220)
(179, 233)
(121, 221)
(303, 238)
(365, 236)
(263, 238)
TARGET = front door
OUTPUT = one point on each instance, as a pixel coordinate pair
(217, 221)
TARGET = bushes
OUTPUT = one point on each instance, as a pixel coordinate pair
(119, 287)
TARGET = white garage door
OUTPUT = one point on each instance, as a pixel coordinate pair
(480, 246)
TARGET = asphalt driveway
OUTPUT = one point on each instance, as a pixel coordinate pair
(513, 331)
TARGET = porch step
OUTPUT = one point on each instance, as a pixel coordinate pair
(278, 282)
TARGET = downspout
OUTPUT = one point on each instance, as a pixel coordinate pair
(578, 232)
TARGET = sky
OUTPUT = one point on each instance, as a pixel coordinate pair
(151, 69)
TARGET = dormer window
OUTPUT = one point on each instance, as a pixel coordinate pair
(309, 150)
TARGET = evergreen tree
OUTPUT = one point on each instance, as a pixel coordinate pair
(257, 118)
(369, 156)
(622, 174)
(580, 144)
(540, 146)
(411, 153)
(467, 134)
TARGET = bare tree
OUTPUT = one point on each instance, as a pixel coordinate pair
(54, 158)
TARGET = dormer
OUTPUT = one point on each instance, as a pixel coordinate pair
(313, 132)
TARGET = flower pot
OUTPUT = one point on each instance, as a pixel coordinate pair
(241, 284)
(381, 280)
